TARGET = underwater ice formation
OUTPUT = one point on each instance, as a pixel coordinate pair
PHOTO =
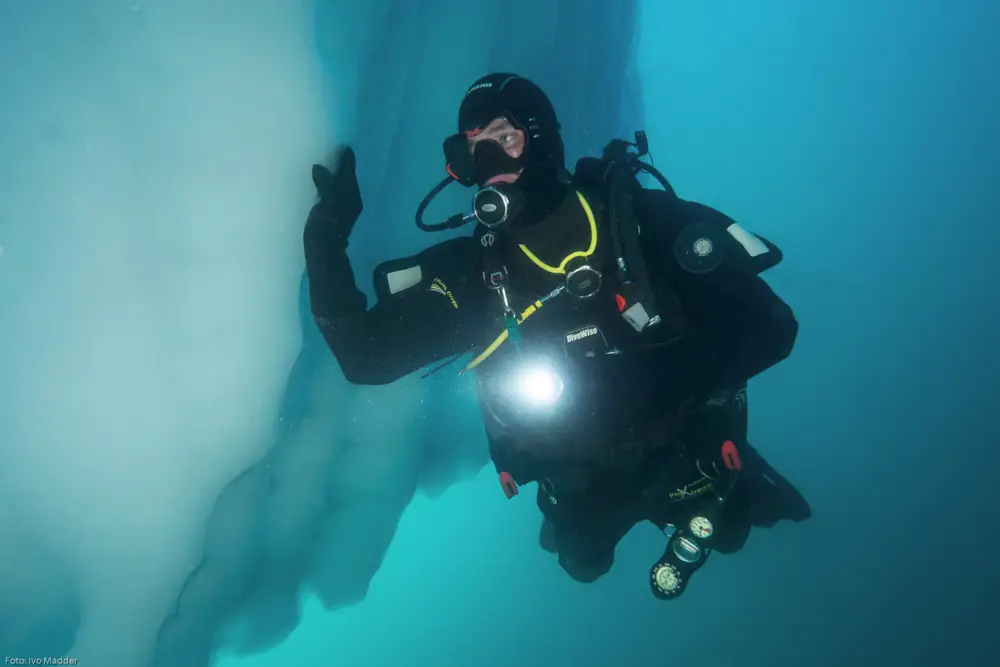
(172, 477)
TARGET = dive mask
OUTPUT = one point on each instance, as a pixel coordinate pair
(493, 204)
(478, 166)
(461, 165)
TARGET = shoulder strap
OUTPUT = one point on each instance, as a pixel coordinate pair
(614, 177)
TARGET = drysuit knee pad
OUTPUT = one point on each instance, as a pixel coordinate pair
(585, 571)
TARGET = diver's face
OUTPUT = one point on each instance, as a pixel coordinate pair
(510, 139)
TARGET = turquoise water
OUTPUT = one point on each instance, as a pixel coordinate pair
(862, 138)
(176, 473)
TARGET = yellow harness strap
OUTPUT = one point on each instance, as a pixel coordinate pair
(530, 310)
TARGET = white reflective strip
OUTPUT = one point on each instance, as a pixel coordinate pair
(404, 279)
(753, 245)
(637, 316)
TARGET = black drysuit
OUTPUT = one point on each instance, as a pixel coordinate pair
(602, 469)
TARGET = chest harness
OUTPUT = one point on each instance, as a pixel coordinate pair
(615, 177)
(615, 174)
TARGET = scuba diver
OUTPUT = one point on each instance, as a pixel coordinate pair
(613, 329)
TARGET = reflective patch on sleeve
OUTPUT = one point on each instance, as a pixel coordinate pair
(404, 279)
(753, 245)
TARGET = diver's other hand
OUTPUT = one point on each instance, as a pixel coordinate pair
(339, 204)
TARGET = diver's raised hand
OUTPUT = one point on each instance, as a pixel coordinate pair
(339, 202)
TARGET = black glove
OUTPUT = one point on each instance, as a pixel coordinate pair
(339, 204)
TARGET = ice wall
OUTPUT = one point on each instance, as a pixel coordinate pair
(151, 198)
(173, 477)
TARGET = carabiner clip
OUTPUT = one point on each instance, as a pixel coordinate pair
(513, 331)
(509, 318)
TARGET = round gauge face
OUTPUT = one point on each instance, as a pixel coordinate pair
(667, 578)
(703, 247)
(701, 527)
